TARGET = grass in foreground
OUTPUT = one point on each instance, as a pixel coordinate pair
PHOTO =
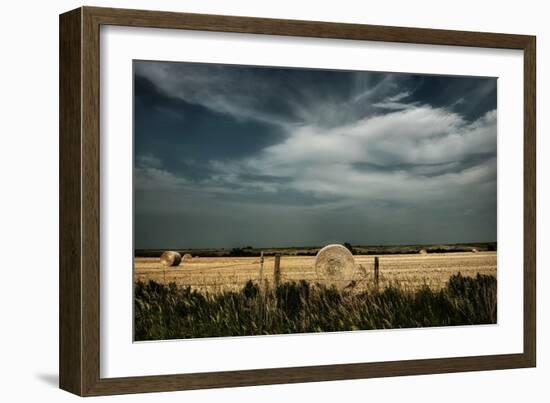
(172, 312)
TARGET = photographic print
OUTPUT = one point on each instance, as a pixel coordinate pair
(276, 200)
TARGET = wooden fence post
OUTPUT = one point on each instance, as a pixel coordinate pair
(376, 271)
(277, 270)
(261, 269)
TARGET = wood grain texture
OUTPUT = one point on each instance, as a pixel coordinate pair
(90, 202)
(305, 374)
(70, 274)
(317, 29)
(80, 201)
(530, 203)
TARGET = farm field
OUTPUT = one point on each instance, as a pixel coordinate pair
(408, 271)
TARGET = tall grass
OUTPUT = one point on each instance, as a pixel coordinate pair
(172, 312)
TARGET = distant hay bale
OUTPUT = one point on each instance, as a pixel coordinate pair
(474, 250)
(335, 265)
(187, 256)
(423, 252)
(170, 258)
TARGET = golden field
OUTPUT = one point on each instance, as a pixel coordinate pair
(231, 273)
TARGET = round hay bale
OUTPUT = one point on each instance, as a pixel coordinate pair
(187, 256)
(474, 250)
(170, 258)
(423, 252)
(335, 265)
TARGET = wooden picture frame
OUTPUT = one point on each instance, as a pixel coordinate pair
(79, 346)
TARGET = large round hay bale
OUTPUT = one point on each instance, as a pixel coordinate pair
(423, 252)
(187, 256)
(335, 265)
(170, 258)
(474, 250)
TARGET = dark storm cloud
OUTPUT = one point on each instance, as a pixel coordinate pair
(233, 155)
(183, 133)
(471, 97)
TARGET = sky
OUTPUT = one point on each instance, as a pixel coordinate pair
(231, 156)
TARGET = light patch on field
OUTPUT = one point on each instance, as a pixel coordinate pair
(217, 274)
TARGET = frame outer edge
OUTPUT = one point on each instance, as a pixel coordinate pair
(90, 202)
(315, 29)
(70, 250)
(530, 200)
(80, 201)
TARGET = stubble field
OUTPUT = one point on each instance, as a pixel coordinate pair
(410, 271)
